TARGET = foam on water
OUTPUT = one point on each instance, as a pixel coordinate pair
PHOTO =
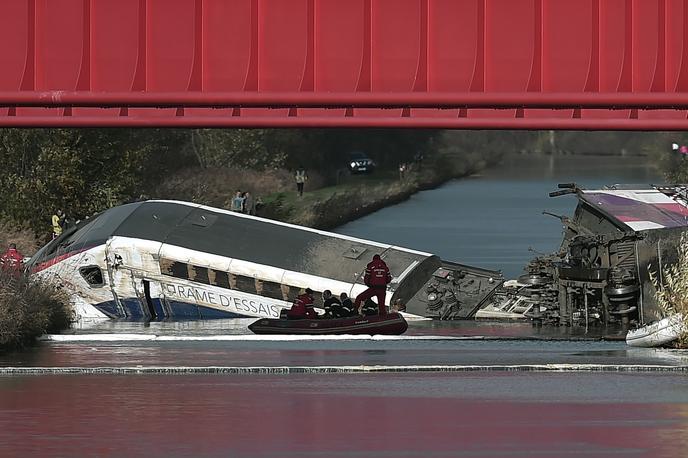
(132, 337)
(235, 337)
(248, 370)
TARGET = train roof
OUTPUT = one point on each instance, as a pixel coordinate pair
(237, 236)
(640, 207)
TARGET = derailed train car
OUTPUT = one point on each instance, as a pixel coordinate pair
(617, 238)
(178, 260)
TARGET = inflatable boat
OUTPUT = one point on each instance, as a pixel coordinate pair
(391, 324)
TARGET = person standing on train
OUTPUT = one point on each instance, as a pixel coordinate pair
(376, 278)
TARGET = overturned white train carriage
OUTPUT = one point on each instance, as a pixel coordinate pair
(178, 260)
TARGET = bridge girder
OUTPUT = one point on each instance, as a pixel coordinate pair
(508, 64)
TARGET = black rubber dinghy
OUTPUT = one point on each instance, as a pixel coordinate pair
(391, 324)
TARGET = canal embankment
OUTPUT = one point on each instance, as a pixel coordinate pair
(355, 196)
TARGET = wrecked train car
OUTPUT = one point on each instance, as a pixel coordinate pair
(179, 260)
(616, 238)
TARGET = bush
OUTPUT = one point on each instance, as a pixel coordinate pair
(30, 307)
(672, 292)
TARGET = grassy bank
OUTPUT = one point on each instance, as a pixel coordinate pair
(359, 195)
(28, 309)
(322, 206)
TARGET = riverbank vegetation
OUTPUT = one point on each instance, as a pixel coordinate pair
(83, 171)
(29, 308)
(671, 289)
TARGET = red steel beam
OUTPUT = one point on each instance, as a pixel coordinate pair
(496, 100)
(348, 122)
(517, 64)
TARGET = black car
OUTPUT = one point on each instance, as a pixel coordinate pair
(360, 163)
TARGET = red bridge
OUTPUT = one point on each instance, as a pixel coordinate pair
(509, 64)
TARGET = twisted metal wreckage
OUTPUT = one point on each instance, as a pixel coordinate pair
(601, 273)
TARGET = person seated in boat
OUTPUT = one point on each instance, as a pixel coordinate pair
(331, 305)
(347, 305)
(302, 307)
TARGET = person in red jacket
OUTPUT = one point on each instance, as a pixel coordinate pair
(376, 278)
(303, 307)
(12, 260)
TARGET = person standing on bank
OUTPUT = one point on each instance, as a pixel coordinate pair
(249, 204)
(57, 221)
(376, 278)
(300, 178)
(237, 204)
(12, 260)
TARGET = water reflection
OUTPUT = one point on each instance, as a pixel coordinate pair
(355, 415)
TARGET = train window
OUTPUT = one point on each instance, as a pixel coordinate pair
(174, 268)
(245, 284)
(199, 274)
(272, 290)
(221, 279)
(93, 276)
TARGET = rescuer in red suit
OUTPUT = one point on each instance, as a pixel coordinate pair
(12, 260)
(303, 307)
(376, 278)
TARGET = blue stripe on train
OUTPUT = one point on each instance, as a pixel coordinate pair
(110, 308)
(133, 308)
(180, 310)
(184, 310)
(158, 307)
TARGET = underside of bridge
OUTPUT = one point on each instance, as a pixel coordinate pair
(473, 64)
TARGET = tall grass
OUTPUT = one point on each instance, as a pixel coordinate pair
(30, 307)
(217, 186)
(671, 288)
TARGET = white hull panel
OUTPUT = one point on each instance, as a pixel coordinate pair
(658, 333)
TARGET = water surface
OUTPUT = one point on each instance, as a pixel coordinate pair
(495, 220)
